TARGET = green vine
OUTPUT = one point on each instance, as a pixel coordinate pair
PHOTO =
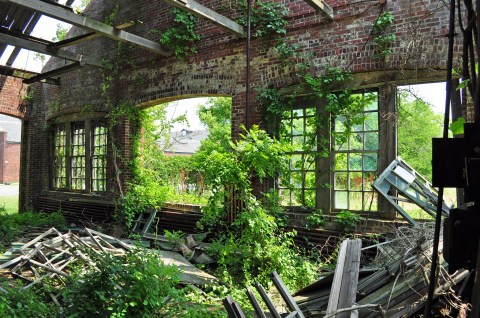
(383, 36)
(267, 18)
(181, 37)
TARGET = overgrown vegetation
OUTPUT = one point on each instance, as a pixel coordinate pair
(383, 38)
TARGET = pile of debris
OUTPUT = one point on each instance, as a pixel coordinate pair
(46, 259)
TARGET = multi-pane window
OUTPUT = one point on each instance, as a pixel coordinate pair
(79, 157)
(59, 164)
(299, 129)
(355, 158)
(350, 156)
(99, 158)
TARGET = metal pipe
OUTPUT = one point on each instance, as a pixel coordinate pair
(249, 38)
(438, 217)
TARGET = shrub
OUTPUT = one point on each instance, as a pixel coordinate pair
(25, 303)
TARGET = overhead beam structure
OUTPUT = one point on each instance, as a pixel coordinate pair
(203, 12)
(46, 49)
(321, 5)
(25, 75)
(87, 37)
(53, 73)
(91, 25)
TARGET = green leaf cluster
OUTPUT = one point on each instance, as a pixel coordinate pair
(267, 18)
(383, 38)
(25, 303)
(181, 37)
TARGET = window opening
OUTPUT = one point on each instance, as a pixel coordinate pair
(355, 157)
(99, 158)
(78, 159)
(60, 158)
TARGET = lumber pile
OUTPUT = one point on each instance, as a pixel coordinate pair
(394, 285)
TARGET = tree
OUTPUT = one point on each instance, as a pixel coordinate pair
(417, 125)
(216, 116)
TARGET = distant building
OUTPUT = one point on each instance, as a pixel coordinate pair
(183, 143)
(10, 141)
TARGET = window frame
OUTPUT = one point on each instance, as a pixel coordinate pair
(85, 155)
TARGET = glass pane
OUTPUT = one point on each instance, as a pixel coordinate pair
(341, 161)
(297, 113)
(373, 105)
(309, 198)
(370, 201)
(371, 141)
(340, 181)
(370, 162)
(341, 141)
(298, 126)
(341, 199)
(296, 179)
(368, 178)
(298, 143)
(356, 141)
(296, 162)
(371, 121)
(310, 180)
(340, 124)
(355, 181)
(355, 161)
(355, 201)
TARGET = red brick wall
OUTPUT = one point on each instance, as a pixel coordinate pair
(12, 93)
(11, 163)
(218, 68)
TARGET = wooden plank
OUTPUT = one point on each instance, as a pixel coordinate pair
(337, 278)
(256, 305)
(203, 12)
(46, 49)
(287, 297)
(91, 25)
(348, 290)
(56, 72)
(321, 5)
(267, 301)
(87, 37)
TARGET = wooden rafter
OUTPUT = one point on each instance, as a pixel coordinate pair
(321, 5)
(43, 48)
(91, 25)
(205, 13)
(25, 75)
(53, 73)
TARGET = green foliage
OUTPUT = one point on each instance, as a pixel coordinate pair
(383, 37)
(348, 219)
(256, 246)
(216, 116)
(417, 125)
(267, 18)
(13, 224)
(136, 284)
(181, 37)
(60, 33)
(25, 303)
(456, 127)
(227, 173)
(316, 219)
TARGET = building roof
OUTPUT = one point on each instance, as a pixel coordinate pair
(13, 128)
(184, 141)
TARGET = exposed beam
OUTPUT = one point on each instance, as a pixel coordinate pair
(203, 12)
(91, 25)
(46, 49)
(53, 73)
(321, 5)
(86, 37)
(18, 73)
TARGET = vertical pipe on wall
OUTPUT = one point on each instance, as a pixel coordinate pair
(249, 36)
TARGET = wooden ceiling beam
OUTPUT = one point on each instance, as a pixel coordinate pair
(56, 72)
(91, 25)
(18, 73)
(203, 12)
(46, 49)
(321, 5)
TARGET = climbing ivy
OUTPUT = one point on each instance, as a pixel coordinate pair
(181, 37)
(267, 18)
(383, 38)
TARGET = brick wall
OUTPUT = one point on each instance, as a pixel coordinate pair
(218, 68)
(12, 93)
(9, 160)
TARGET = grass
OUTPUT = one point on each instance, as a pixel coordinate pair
(9, 205)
